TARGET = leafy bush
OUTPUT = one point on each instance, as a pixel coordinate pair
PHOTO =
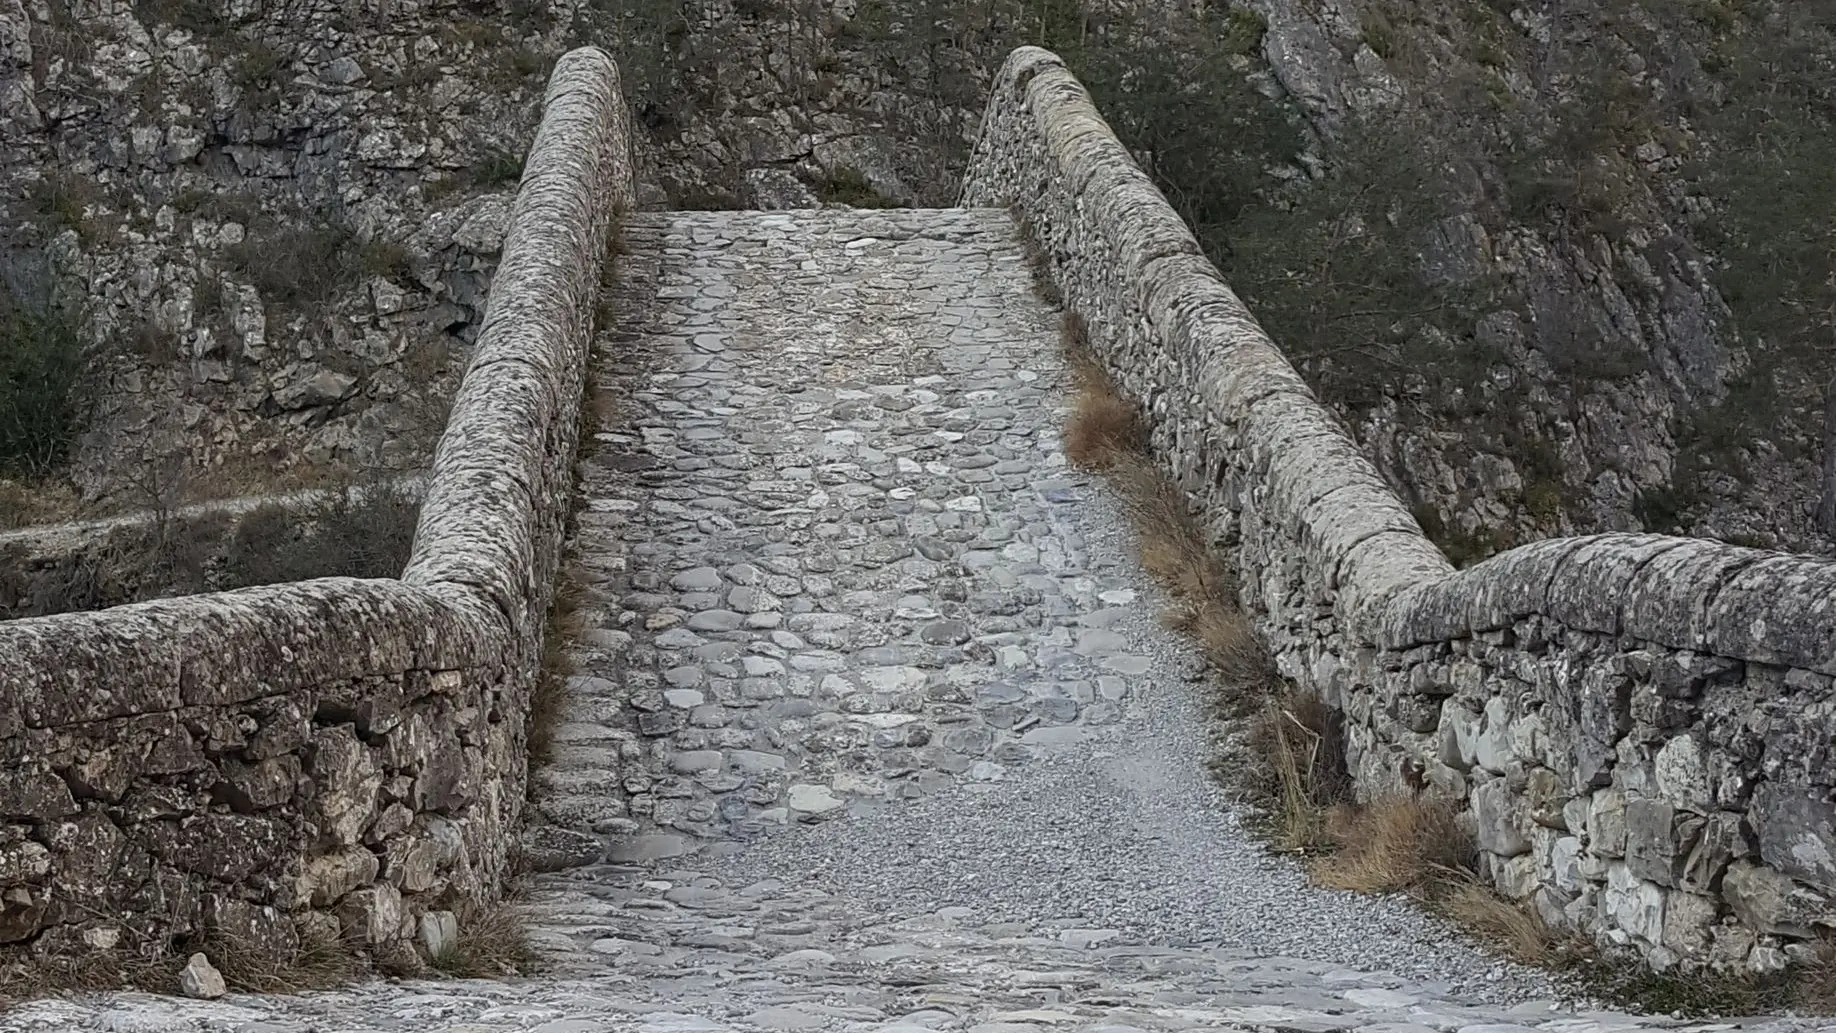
(851, 187)
(366, 535)
(41, 366)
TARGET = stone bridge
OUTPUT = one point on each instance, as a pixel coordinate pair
(867, 723)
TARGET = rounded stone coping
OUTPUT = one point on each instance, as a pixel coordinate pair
(499, 478)
(1395, 589)
(225, 648)
(1685, 593)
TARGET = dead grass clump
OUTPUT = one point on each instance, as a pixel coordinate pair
(1103, 429)
(1418, 845)
(1225, 638)
(26, 504)
(1399, 844)
(1172, 550)
(493, 943)
(1510, 926)
(24, 976)
(1815, 988)
(320, 961)
(1623, 981)
(1296, 747)
(1106, 433)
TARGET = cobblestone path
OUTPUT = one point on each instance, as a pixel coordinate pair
(874, 729)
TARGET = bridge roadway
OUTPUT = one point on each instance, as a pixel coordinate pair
(871, 704)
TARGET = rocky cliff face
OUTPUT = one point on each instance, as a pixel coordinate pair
(1637, 185)
(1526, 249)
(276, 221)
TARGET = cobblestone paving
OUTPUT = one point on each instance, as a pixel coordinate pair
(873, 729)
(829, 530)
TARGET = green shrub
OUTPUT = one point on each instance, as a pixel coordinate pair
(1544, 500)
(61, 202)
(498, 167)
(850, 187)
(301, 267)
(200, 16)
(1659, 510)
(41, 367)
(1243, 31)
(367, 536)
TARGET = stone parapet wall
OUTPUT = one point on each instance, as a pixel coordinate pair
(334, 757)
(1638, 725)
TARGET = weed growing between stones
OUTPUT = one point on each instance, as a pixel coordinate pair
(567, 616)
(491, 943)
(566, 622)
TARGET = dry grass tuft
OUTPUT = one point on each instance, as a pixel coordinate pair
(1173, 548)
(1815, 989)
(493, 942)
(1510, 926)
(318, 963)
(1806, 989)
(1105, 428)
(1103, 431)
(26, 504)
(1226, 640)
(1297, 775)
(1398, 844)
(23, 976)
